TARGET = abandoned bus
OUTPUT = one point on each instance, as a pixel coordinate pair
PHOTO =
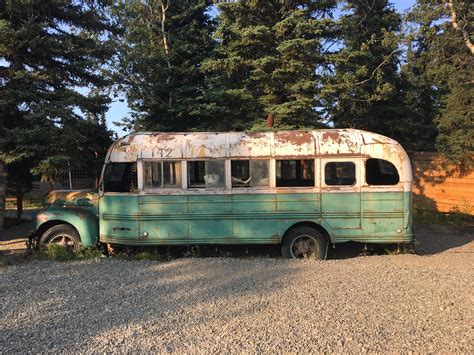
(301, 189)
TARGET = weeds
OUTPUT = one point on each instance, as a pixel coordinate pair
(402, 249)
(426, 216)
(57, 252)
(193, 251)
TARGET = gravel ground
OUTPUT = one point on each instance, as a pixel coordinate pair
(420, 303)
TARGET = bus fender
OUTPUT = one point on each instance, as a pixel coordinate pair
(321, 226)
(85, 222)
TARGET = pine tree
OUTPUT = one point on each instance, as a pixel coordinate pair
(448, 58)
(267, 61)
(48, 48)
(362, 88)
(160, 52)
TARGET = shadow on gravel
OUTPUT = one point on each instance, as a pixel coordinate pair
(141, 296)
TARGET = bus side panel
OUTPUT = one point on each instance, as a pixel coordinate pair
(118, 218)
(341, 215)
(295, 208)
(209, 218)
(382, 216)
(161, 218)
(254, 218)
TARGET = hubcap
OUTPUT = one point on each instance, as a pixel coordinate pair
(304, 247)
(64, 240)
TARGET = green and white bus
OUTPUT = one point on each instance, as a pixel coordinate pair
(301, 189)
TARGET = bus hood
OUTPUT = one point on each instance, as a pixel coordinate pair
(84, 198)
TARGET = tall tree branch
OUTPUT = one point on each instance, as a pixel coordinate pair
(455, 23)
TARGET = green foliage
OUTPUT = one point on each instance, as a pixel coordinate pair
(193, 251)
(58, 252)
(159, 54)
(428, 216)
(266, 62)
(49, 49)
(447, 66)
(362, 87)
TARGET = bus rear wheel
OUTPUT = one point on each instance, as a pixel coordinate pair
(304, 243)
(63, 235)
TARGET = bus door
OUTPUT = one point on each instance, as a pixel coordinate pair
(163, 207)
(118, 205)
(340, 197)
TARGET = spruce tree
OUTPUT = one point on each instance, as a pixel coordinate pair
(447, 56)
(160, 52)
(48, 49)
(267, 62)
(362, 88)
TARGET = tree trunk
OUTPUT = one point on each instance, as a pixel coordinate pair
(19, 201)
(3, 187)
(455, 23)
(166, 45)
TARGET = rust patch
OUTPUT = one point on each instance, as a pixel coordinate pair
(296, 138)
(331, 135)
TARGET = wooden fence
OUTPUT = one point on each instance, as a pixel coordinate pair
(441, 187)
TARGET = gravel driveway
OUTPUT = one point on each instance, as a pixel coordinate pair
(373, 303)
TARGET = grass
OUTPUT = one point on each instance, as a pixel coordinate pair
(59, 253)
(454, 218)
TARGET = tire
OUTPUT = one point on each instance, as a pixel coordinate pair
(304, 243)
(62, 234)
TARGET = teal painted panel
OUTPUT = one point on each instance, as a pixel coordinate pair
(162, 230)
(385, 196)
(211, 229)
(163, 205)
(253, 203)
(341, 210)
(264, 229)
(299, 203)
(209, 204)
(382, 214)
(118, 216)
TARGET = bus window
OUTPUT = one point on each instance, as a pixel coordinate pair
(381, 172)
(165, 174)
(250, 173)
(294, 173)
(206, 174)
(120, 177)
(339, 173)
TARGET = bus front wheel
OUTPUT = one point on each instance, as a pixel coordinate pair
(304, 243)
(63, 235)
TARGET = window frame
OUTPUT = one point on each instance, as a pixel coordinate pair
(354, 160)
(195, 188)
(141, 175)
(315, 172)
(243, 188)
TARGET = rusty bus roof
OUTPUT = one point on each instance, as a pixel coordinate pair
(329, 143)
(301, 143)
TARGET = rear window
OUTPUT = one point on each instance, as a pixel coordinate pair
(381, 172)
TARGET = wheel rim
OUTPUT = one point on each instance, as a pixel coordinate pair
(304, 247)
(64, 240)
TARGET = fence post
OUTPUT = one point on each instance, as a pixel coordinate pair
(3, 187)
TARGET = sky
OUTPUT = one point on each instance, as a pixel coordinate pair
(119, 110)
